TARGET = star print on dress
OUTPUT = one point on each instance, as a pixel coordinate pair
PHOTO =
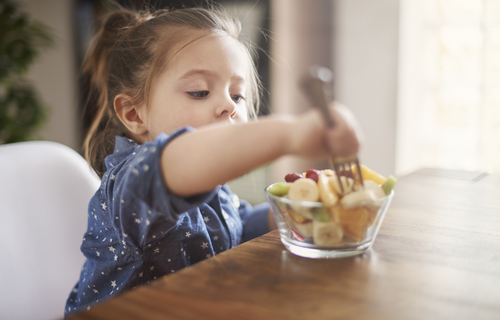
(111, 249)
(113, 283)
(188, 234)
(206, 219)
(104, 206)
(204, 245)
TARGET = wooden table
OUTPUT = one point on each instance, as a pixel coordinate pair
(437, 256)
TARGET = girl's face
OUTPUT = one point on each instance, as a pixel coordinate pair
(203, 83)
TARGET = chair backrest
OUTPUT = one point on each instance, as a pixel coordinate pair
(45, 188)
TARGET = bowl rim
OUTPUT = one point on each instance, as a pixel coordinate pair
(313, 204)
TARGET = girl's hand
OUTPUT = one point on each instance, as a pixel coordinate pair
(313, 138)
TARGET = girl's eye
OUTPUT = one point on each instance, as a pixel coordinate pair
(199, 94)
(237, 98)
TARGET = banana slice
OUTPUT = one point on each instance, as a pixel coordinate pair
(347, 184)
(303, 190)
(327, 234)
(358, 198)
(327, 193)
(372, 185)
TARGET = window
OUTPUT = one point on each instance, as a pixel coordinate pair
(449, 105)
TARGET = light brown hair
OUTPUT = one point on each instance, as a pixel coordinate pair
(127, 55)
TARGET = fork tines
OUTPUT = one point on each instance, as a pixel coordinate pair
(343, 167)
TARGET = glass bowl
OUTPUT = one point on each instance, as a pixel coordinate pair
(313, 230)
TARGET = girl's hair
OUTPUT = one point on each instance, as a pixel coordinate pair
(128, 54)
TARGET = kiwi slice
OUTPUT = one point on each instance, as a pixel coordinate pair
(279, 189)
(389, 184)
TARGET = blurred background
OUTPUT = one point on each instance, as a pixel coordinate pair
(421, 76)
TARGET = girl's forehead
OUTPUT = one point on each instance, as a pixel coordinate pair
(217, 51)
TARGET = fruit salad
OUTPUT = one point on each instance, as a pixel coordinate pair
(317, 209)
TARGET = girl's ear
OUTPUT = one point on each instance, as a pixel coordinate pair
(129, 115)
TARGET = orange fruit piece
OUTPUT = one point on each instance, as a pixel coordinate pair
(354, 221)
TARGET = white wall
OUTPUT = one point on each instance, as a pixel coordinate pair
(54, 72)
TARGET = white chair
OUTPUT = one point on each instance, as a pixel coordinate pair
(45, 188)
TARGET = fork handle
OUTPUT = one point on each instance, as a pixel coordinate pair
(314, 85)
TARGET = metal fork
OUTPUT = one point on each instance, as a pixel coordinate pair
(318, 87)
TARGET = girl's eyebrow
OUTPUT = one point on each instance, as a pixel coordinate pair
(208, 73)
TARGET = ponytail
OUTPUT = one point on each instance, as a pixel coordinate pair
(99, 141)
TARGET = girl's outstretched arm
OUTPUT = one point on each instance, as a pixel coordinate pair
(199, 161)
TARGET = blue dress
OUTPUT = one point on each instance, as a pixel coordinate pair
(138, 231)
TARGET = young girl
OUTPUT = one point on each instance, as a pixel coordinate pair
(173, 93)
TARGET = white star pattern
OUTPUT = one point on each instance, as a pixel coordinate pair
(204, 245)
(208, 255)
(206, 219)
(216, 238)
(140, 275)
(88, 308)
(111, 249)
(113, 283)
(137, 220)
(157, 250)
(112, 177)
(188, 234)
(152, 268)
(125, 235)
(96, 291)
(104, 206)
(119, 269)
(145, 167)
(116, 257)
(135, 171)
(98, 253)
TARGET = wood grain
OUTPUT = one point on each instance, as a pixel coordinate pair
(437, 256)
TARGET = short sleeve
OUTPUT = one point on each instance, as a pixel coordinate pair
(144, 178)
(140, 197)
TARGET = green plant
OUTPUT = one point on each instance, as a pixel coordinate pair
(21, 39)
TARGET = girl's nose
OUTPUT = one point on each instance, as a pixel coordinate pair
(226, 109)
